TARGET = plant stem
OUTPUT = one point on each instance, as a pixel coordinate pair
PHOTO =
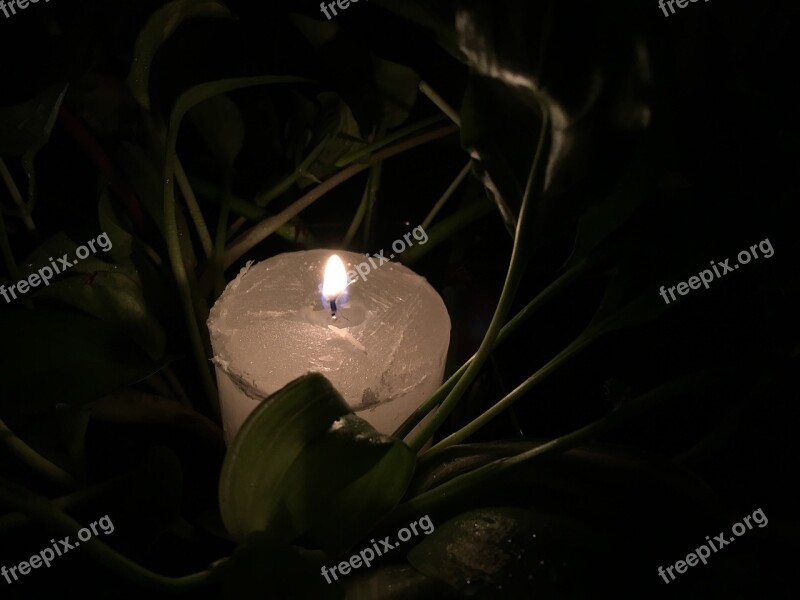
(16, 196)
(218, 273)
(8, 253)
(359, 216)
(175, 385)
(426, 89)
(352, 157)
(446, 196)
(551, 291)
(35, 460)
(262, 230)
(40, 510)
(513, 277)
(463, 433)
(179, 271)
(17, 519)
(194, 208)
(266, 197)
(465, 484)
(446, 228)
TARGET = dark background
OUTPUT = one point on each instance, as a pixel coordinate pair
(718, 164)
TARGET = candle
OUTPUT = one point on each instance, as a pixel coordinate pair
(379, 333)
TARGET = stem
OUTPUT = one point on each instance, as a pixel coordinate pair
(551, 291)
(218, 272)
(262, 230)
(359, 216)
(179, 269)
(194, 208)
(288, 231)
(16, 519)
(8, 253)
(40, 510)
(265, 198)
(16, 196)
(513, 277)
(35, 460)
(467, 483)
(175, 385)
(463, 433)
(352, 157)
(373, 185)
(446, 228)
(426, 89)
(446, 196)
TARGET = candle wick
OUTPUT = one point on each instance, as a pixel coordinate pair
(333, 308)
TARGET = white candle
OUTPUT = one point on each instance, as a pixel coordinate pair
(384, 351)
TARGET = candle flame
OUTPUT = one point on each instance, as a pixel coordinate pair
(335, 280)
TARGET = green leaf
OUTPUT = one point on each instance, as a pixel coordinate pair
(26, 127)
(144, 178)
(138, 408)
(58, 246)
(259, 568)
(159, 27)
(337, 136)
(297, 451)
(63, 357)
(121, 241)
(380, 93)
(396, 582)
(221, 126)
(509, 552)
(397, 85)
(115, 298)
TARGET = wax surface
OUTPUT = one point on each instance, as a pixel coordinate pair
(385, 351)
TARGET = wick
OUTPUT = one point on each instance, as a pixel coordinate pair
(333, 309)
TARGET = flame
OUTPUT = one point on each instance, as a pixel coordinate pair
(335, 280)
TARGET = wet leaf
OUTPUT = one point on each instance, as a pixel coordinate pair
(509, 553)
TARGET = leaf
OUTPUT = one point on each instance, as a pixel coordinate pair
(63, 357)
(298, 450)
(397, 85)
(396, 582)
(121, 241)
(380, 93)
(60, 246)
(260, 569)
(337, 135)
(117, 299)
(159, 27)
(142, 175)
(519, 553)
(26, 127)
(138, 408)
(219, 122)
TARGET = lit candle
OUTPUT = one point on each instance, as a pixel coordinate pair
(379, 334)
